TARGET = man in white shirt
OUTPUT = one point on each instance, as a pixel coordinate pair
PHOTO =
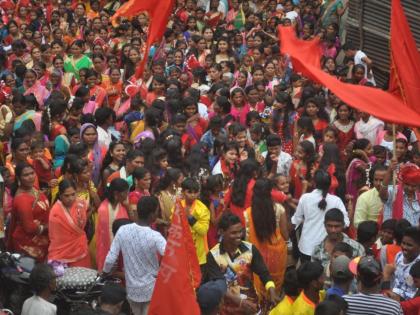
(42, 281)
(360, 58)
(282, 159)
(311, 211)
(104, 118)
(140, 246)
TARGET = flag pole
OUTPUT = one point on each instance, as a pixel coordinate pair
(394, 145)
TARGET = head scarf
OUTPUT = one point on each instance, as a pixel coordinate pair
(97, 153)
(409, 174)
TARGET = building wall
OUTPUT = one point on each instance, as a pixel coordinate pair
(368, 25)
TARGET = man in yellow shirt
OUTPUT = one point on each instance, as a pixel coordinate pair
(291, 291)
(198, 217)
(311, 278)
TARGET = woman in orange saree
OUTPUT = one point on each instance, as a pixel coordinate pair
(266, 228)
(110, 210)
(68, 241)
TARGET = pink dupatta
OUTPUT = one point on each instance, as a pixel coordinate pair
(106, 216)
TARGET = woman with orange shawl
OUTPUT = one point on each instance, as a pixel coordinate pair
(111, 209)
(68, 241)
(266, 228)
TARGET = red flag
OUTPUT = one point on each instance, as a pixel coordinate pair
(371, 100)
(179, 273)
(405, 59)
(159, 12)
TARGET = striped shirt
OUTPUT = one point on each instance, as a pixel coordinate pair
(372, 304)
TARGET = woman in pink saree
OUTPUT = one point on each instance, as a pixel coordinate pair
(32, 86)
(111, 209)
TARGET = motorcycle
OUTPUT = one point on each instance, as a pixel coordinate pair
(74, 294)
(14, 278)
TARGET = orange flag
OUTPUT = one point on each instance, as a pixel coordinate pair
(159, 12)
(179, 273)
(404, 59)
(374, 101)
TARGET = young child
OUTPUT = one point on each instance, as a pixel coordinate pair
(42, 165)
(306, 131)
(42, 281)
(341, 276)
(212, 195)
(380, 154)
(198, 217)
(291, 292)
(303, 168)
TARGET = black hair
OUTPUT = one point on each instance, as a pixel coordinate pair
(334, 215)
(273, 140)
(400, 227)
(146, 206)
(171, 175)
(366, 231)
(209, 187)
(190, 184)
(308, 272)
(322, 181)
(330, 156)
(414, 233)
(343, 248)
(112, 294)
(306, 123)
(246, 172)
(132, 154)
(41, 277)
(291, 283)
(379, 149)
(389, 224)
(65, 184)
(283, 120)
(79, 149)
(415, 270)
(140, 172)
(332, 306)
(262, 210)
(116, 185)
(18, 172)
(227, 220)
(224, 104)
(55, 108)
(102, 114)
(119, 223)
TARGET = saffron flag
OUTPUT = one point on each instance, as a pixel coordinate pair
(159, 12)
(179, 274)
(404, 59)
(374, 101)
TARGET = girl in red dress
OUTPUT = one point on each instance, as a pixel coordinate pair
(303, 168)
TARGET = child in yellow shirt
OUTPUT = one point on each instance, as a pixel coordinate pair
(291, 291)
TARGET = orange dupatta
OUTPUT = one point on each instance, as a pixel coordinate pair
(106, 216)
(274, 252)
(68, 241)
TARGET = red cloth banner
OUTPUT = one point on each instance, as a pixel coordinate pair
(405, 59)
(179, 273)
(374, 101)
(159, 12)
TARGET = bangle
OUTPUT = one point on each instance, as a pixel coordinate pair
(41, 229)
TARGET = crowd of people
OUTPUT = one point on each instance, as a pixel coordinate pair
(297, 203)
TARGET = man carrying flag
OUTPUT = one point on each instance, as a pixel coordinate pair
(140, 247)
